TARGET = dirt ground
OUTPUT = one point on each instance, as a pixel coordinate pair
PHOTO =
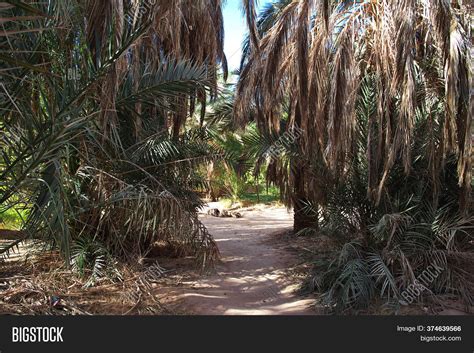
(254, 275)
(261, 268)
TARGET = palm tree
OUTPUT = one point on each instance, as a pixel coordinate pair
(380, 90)
(94, 103)
(312, 56)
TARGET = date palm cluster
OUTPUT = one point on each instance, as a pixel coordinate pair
(94, 99)
(380, 91)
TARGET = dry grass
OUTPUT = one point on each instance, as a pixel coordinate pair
(33, 286)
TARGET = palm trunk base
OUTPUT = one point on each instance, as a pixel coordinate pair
(301, 220)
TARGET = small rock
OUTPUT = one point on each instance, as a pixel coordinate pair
(213, 212)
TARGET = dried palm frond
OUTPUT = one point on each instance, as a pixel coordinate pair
(314, 54)
(101, 85)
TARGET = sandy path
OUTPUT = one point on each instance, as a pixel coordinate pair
(250, 279)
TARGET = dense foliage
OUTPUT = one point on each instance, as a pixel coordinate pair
(114, 118)
(380, 90)
(94, 100)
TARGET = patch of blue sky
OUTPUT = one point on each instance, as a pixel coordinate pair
(235, 31)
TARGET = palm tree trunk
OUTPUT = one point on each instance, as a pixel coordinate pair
(301, 219)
